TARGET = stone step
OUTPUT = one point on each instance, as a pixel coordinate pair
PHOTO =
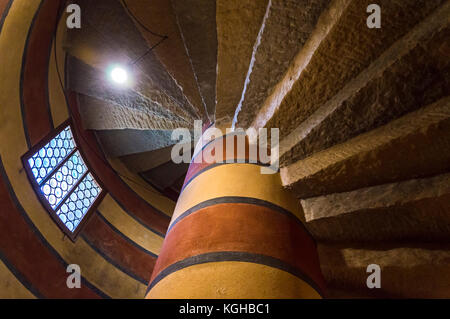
(93, 82)
(415, 145)
(407, 270)
(158, 16)
(352, 55)
(146, 161)
(117, 143)
(165, 175)
(106, 115)
(290, 28)
(419, 78)
(109, 36)
(238, 25)
(413, 210)
(197, 23)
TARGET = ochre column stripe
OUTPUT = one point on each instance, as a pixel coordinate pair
(232, 279)
(236, 233)
(241, 228)
(196, 168)
(239, 180)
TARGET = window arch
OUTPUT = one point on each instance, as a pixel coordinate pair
(62, 180)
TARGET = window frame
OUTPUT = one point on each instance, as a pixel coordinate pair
(37, 190)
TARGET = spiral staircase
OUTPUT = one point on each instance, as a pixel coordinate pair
(364, 114)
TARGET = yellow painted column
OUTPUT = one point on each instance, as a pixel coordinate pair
(236, 233)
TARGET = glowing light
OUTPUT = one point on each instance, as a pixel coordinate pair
(119, 75)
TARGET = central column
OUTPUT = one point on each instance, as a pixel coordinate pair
(236, 233)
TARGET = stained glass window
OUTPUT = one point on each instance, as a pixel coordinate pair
(63, 180)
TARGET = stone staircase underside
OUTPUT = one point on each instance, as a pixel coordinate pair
(364, 114)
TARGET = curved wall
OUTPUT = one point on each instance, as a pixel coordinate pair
(118, 247)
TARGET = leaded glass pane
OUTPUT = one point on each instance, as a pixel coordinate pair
(64, 179)
(47, 159)
(76, 206)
